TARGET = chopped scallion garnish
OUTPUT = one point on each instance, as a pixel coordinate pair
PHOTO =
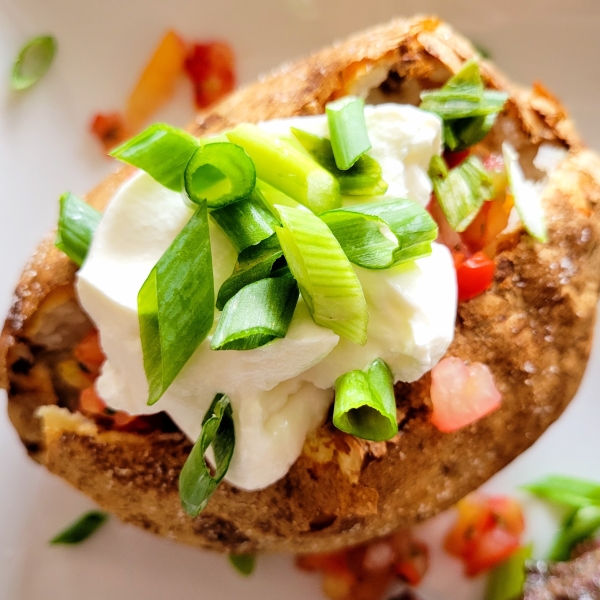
(382, 234)
(467, 108)
(505, 582)
(244, 564)
(220, 173)
(362, 179)
(569, 491)
(257, 314)
(77, 223)
(365, 405)
(247, 222)
(176, 304)
(288, 169)
(326, 278)
(461, 191)
(347, 130)
(196, 483)
(33, 61)
(579, 526)
(162, 151)
(527, 196)
(81, 529)
(254, 263)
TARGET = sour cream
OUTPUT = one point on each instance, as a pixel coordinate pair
(281, 391)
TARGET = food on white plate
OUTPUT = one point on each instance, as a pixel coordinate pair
(117, 370)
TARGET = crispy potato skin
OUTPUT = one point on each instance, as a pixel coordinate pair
(533, 328)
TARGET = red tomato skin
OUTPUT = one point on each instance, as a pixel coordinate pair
(474, 275)
(89, 353)
(493, 548)
(211, 68)
(453, 159)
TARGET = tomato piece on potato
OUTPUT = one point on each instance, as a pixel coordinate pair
(461, 393)
(474, 275)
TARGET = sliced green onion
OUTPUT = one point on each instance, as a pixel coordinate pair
(460, 191)
(326, 278)
(77, 223)
(196, 483)
(176, 304)
(578, 527)
(247, 222)
(365, 405)
(284, 167)
(506, 581)
(162, 151)
(257, 314)
(33, 61)
(347, 130)
(528, 201)
(244, 564)
(569, 491)
(81, 529)
(220, 173)
(467, 108)
(362, 179)
(254, 263)
(361, 232)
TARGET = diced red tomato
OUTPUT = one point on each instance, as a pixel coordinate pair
(91, 405)
(110, 129)
(412, 568)
(488, 224)
(446, 235)
(474, 275)
(487, 532)
(89, 353)
(453, 159)
(211, 68)
(461, 394)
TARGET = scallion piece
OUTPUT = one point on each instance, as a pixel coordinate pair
(461, 191)
(288, 169)
(365, 405)
(77, 223)
(33, 61)
(220, 173)
(362, 179)
(273, 197)
(568, 491)
(253, 264)
(326, 278)
(506, 581)
(247, 222)
(361, 231)
(81, 529)
(579, 526)
(162, 151)
(196, 483)
(176, 304)
(257, 314)
(528, 201)
(467, 108)
(347, 130)
(244, 564)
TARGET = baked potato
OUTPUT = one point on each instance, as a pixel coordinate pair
(533, 329)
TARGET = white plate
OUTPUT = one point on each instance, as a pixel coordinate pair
(45, 149)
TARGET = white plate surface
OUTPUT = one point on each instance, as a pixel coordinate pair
(45, 149)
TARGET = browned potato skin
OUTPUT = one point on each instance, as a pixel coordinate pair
(533, 328)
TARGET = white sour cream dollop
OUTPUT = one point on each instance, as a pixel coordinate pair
(283, 390)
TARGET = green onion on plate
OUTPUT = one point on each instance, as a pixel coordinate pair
(244, 564)
(347, 130)
(220, 173)
(324, 274)
(362, 179)
(506, 581)
(461, 191)
(568, 491)
(379, 235)
(176, 304)
(196, 483)
(77, 223)
(33, 61)
(162, 151)
(81, 529)
(365, 405)
(288, 169)
(579, 526)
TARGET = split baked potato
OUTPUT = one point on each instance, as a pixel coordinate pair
(533, 329)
